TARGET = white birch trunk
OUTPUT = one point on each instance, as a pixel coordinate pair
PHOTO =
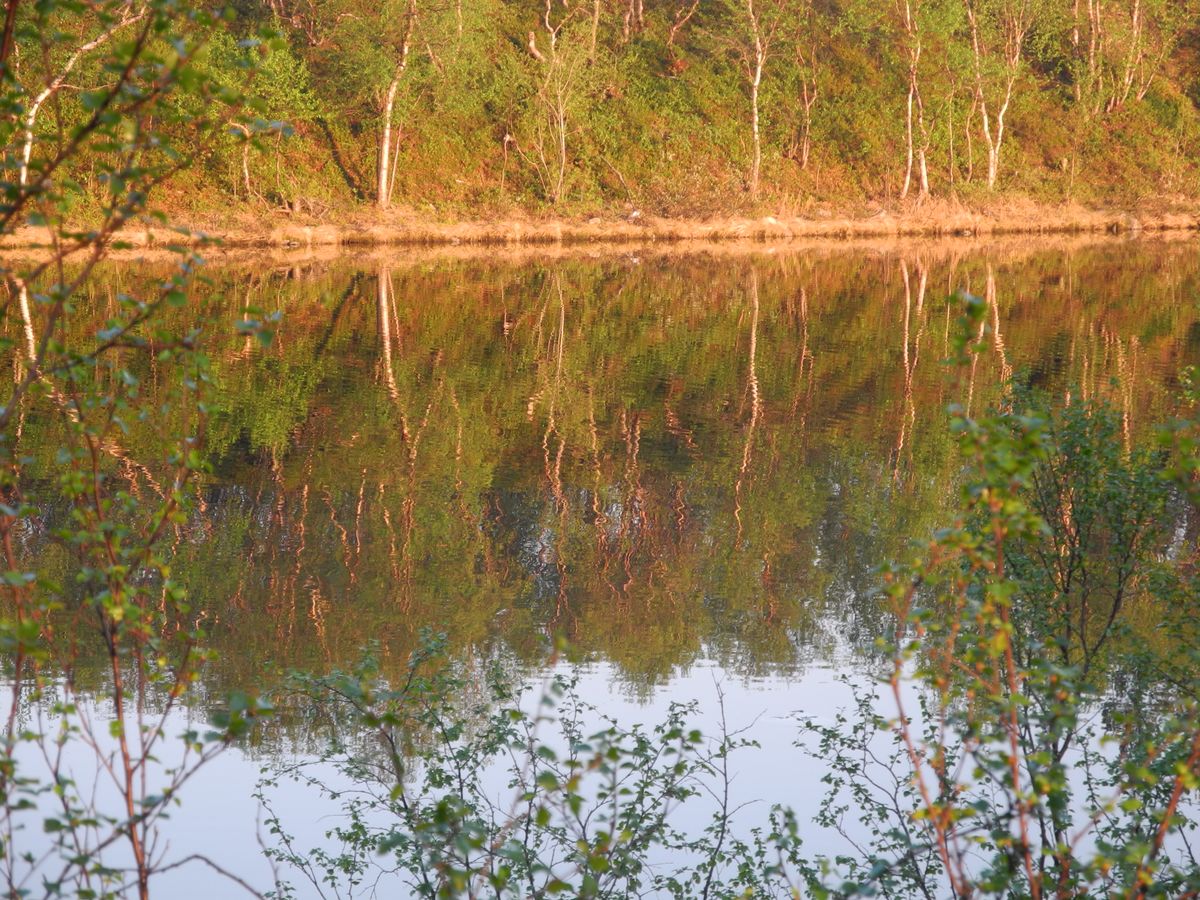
(595, 30)
(914, 117)
(55, 84)
(1016, 25)
(383, 310)
(908, 141)
(756, 164)
(383, 187)
(755, 71)
(384, 177)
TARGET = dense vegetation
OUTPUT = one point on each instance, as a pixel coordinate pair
(673, 106)
(1036, 732)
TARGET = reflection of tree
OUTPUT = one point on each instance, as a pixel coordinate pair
(755, 404)
(383, 292)
(580, 449)
(1006, 369)
(908, 418)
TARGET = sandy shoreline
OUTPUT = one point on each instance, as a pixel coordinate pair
(939, 222)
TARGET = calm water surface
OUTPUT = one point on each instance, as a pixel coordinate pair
(688, 465)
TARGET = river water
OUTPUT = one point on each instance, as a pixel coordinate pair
(686, 464)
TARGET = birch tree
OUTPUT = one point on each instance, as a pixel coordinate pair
(752, 29)
(908, 14)
(1118, 47)
(385, 175)
(56, 71)
(684, 11)
(560, 63)
(806, 40)
(998, 29)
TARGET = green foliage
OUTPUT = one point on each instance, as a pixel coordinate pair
(136, 114)
(583, 811)
(655, 111)
(1019, 625)
(1042, 734)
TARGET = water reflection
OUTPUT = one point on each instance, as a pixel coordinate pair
(666, 458)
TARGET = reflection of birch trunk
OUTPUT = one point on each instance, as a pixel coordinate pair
(294, 580)
(343, 534)
(974, 367)
(316, 614)
(755, 405)
(599, 518)
(358, 523)
(459, 486)
(554, 470)
(633, 506)
(385, 314)
(26, 319)
(807, 362)
(107, 443)
(554, 473)
(18, 377)
(1126, 373)
(383, 303)
(1005, 369)
(908, 418)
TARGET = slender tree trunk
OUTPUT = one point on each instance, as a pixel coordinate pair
(383, 310)
(970, 137)
(756, 164)
(1095, 73)
(994, 146)
(1133, 57)
(682, 15)
(754, 72)
(382, 192)
(395, 165)
(922, 156)
(6, 39)
(595, 30)
(54, 85)
(1016, 25)
(383, 184)
(245, 159)
(953, 162)
(809, 98)
(908, 140)
(561, 122)
(980, 96)
(914, 115)
(1076, 88)
(911, 51)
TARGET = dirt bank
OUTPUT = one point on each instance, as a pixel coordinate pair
(931, 220)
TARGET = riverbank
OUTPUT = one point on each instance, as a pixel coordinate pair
(932, 220)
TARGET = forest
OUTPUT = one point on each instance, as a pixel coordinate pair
(684, 108)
